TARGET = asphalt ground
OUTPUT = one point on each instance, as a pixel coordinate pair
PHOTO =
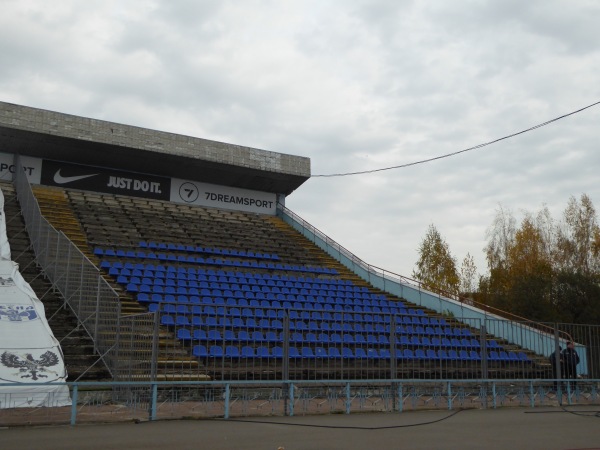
(505, 428)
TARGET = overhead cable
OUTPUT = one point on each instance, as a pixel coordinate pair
(447, 155)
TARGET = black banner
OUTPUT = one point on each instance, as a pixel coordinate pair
(89, 178)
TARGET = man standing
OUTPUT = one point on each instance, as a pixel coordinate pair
(556, 363)
(570, 360)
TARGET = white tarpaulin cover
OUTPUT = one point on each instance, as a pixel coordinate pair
(29, 352)
(4, 247)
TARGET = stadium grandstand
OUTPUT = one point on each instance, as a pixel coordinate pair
(162, 258)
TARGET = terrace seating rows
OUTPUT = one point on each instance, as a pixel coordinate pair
(245, 303)
(124, 221)
(190, 259)
(277, 352)
(317, 337)
(204, 270)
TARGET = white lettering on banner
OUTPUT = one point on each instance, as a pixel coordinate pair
(31, 166)
(226, 197)
(238, 200)
(133, 184)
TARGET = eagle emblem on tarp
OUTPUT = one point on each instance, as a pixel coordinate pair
(8, 281)
(17, 313)
(28, 366)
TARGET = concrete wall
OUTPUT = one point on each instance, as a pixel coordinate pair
(99, 131)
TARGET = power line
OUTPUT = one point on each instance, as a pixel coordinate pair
(447, 155)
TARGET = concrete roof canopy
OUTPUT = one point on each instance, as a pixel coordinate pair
(63, 137)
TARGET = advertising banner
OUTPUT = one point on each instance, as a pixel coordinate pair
(31, 166)
(224, 197)
(99, 179)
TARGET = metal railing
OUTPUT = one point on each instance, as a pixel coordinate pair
(94, 302)
(394, 283)
(92, 402)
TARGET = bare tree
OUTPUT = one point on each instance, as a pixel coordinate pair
(500, 236)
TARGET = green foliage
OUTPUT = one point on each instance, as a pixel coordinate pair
(542, 271)
(436, 268)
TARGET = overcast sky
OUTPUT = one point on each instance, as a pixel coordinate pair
(353, 85)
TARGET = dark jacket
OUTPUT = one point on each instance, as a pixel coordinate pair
(570, 358)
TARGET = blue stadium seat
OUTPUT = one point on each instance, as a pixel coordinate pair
(320, 352)
(494, 356)
(334, 352)
(443, 355)
(200, 335)
(420, 354)
(408, 354)
(347, 353)
(307, 353)
(248, 352)
(216, 351)
(167, 320)
(199, 351)
(474, 355)
(184, 334)
(214, 335)
(231, 351)
(263, 352)
(453, 355)
(464, 355)
(372, 353)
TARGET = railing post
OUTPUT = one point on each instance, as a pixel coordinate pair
(154, 362)
(227, 394)
(400, 398)
(154, 401)
(449, 396)
(483, 346)
(74, 396)
(97, 314)
(348, 401)
(558, 378)
(393, 359)
(285, 371)
(531, 394)
(291, 400)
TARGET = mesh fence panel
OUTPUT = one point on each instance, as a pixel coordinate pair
(95, 303)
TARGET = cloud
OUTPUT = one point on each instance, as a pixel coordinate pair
(354, 86)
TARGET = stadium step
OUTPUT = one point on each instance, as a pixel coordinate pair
(55, 207)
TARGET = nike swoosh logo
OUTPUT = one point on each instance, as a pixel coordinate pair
(59, 179)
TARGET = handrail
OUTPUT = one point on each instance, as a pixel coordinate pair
(392, 276)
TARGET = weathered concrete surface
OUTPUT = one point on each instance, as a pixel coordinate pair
(540, 428)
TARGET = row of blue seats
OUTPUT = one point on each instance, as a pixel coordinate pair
(151, 245)
(241, 298)
(194, 288)
(186, 334)
(184, 281)
(124, 253)
(267, 309)
(136, 276)
(221, 307)
(106, 264)
(297, 325)
(222, 276)
(330, 305)
(326, 353)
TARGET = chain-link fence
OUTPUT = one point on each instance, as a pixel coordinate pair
(122, 342)
(96, 402)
